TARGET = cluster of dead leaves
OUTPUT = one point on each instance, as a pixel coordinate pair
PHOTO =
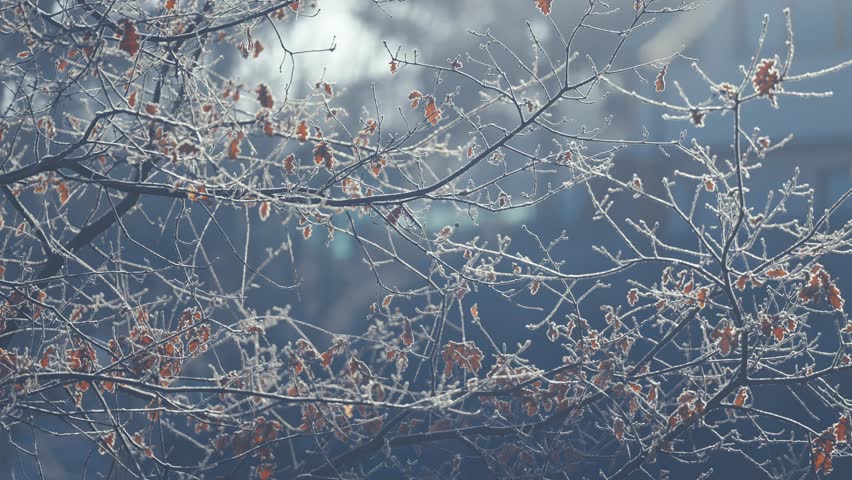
(819, 286)
(777, 325)
(767, 80)
(196, 193)
(106, 444)
(690, 405)
(250, 48)
(149, 349)
(692, 293)
(400, 358)
(823, 446)
(324, 154)
(465, 355)
(744, 280)
(363, 139)
(81, 359)
(250, 435)
(430, 109)
(727, 337)
(44, 182)
(522, 383)
(197, 335)
(146, 354)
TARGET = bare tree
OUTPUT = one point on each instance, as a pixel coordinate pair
(149, 196)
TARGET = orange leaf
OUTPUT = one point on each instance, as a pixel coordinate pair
(776, 273)
(834, 297)
(170, 4)
(821, 453)
(264, 210)
(142, 315)
(45, 359)
(618, 428)
(327, 357)
(652, 394)
(129, 39)
(821, 462)
(552, 332)
(702, 297)
(632, 296)
(323, 153)
(727, 338)
(841, 429)
(290, 164)
(544, 6)
(414, 96)
(778, 332)
(327, 88)
(660, 82)
(302, 131)
(234, 147)
(264, 96)
(64, 193)
(741, 397)
(264, 472)
(820, 286)
(433, 114)
(464, 355)
(407, 336)
(766, 79)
